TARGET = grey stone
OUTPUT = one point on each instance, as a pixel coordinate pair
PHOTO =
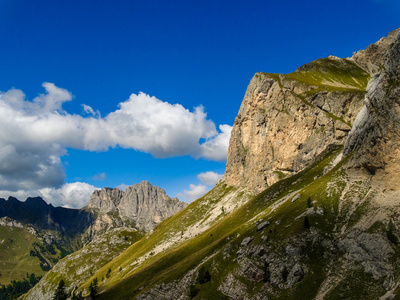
(295, 198)
(292, 251)
(263, 225)
(246, 241)
(141, 205)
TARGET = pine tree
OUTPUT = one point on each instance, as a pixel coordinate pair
(61, 294)
(306, 223)
(93, 288)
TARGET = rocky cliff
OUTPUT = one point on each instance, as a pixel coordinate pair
(375, 137)
(286, 121)
(142, 206)
(373, 57)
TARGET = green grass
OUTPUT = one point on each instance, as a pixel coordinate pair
(174, 264)
(81, 265)
(322, 76)
(357, 285)
(332, 75)
(15, 261)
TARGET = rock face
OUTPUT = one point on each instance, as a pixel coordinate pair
(142, 206)
(375, 137)
(285, 121)
(373, 57)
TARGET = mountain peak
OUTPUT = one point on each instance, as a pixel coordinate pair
(142, 204)
(37, 201)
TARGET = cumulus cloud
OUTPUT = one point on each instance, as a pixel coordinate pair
(35, 134)
(90, 111)
(122, 187)
(209, 178)
(208, 181)
(71, 195)
(195, 192)
(216, 148)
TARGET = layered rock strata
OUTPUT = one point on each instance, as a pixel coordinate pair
(142, 206)
(284, 122)
(375, 138)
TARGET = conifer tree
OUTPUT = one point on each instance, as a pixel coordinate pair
(60, 293)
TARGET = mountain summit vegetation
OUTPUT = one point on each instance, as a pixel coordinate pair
(308, 207)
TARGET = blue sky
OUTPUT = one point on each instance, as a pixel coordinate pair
(105, 93)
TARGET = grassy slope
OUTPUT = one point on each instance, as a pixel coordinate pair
(328, 74)
(193, 215)
(82, 264)
(332, 74)
(130, 277)
(15, 261)
(172, 265)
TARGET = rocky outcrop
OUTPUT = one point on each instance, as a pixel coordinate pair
(142, 206)
(286, 121)
(375, 138)
(373, 57)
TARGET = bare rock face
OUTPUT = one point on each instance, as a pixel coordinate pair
(142, 206)
(105, 200)
(286, 121)
(148, 205)
(373, 57)
(375, 137)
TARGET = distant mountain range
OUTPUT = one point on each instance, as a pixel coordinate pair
(43, 216)
(65, 230)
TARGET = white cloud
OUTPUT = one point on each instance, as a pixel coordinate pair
(71, 195)
(35, 134)
(209, 178)
(195, 192)
(216, 148)
(148, 124)
(89, 111)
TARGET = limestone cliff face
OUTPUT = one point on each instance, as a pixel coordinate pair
(373, 57)
(285, 121)
(105, 200)
(375, 137)
(148, 205)
(142, 206)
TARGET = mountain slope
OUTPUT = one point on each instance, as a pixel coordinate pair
(82, 264)
(16, 243)
(297, 215)
(286, 121)
(47, 234)
(35, 211)
(142, 206)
